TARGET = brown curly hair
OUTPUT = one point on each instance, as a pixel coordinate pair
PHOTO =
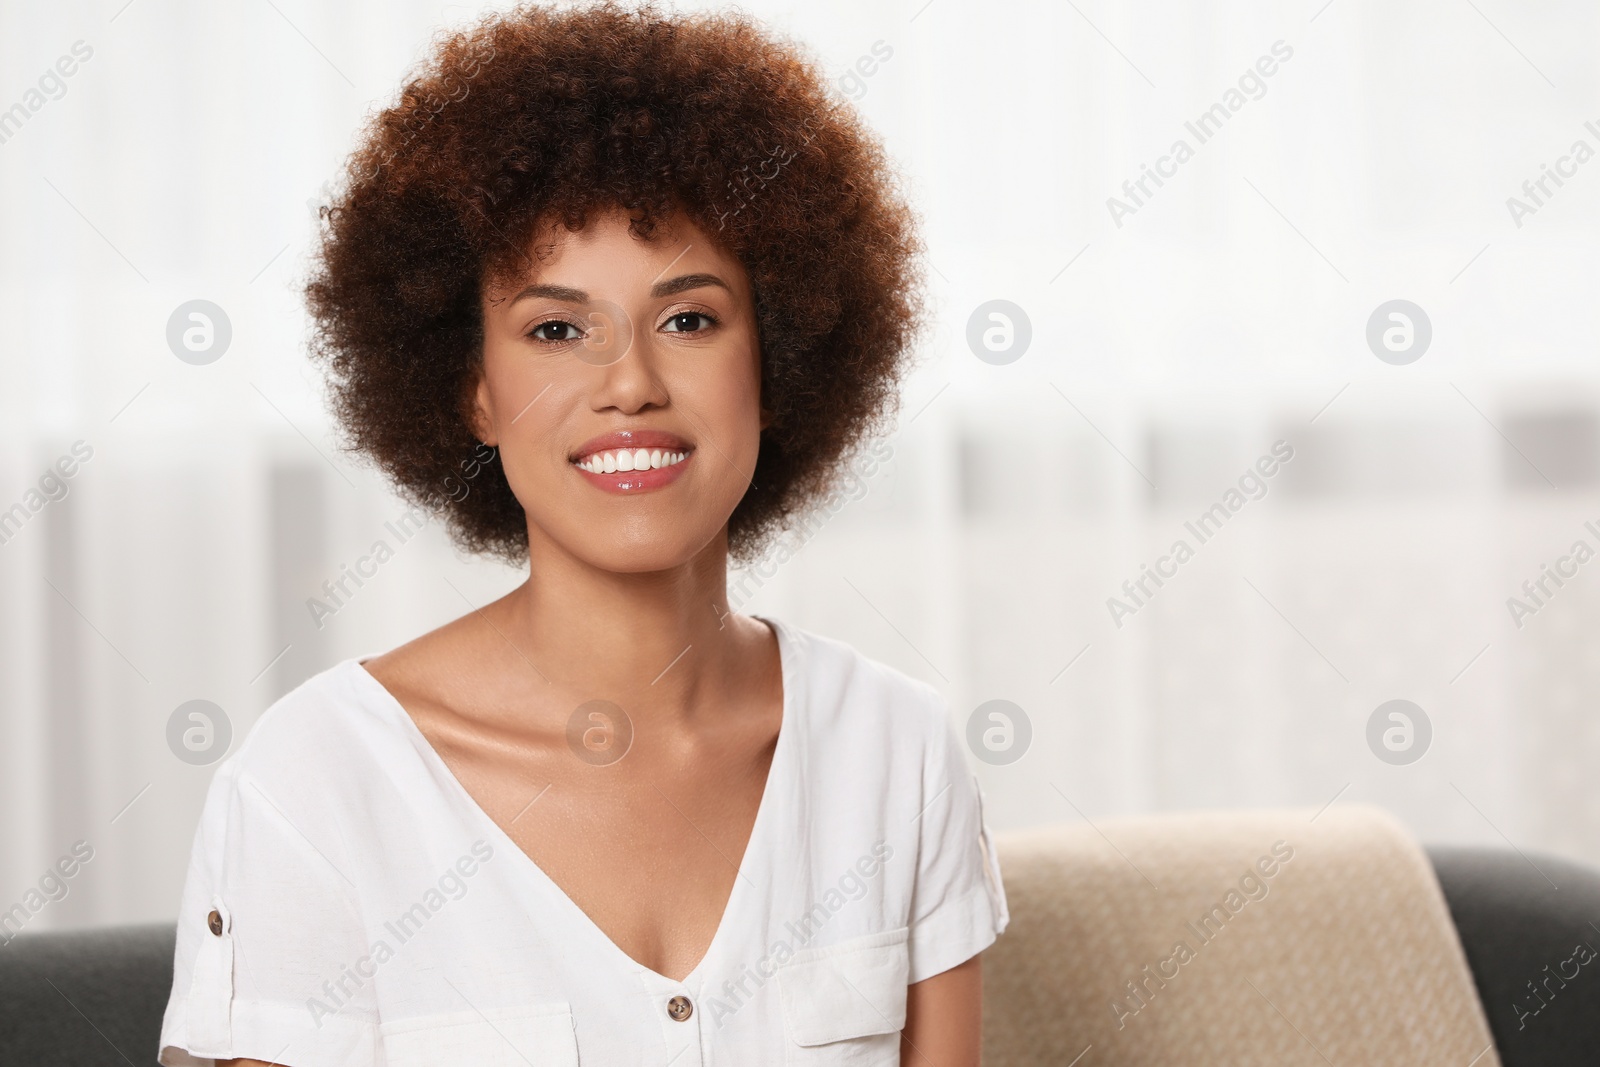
(542, 116)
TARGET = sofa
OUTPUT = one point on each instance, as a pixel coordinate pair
(1288, 937)
(1055, 983)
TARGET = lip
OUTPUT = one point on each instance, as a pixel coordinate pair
(631, 439)
(633, 481)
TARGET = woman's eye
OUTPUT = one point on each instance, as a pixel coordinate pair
(688, 322)
(555, 330)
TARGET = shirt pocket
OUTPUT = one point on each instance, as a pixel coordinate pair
(845, 1005)
(539, 1034)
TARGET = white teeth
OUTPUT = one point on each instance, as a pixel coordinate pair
(634, 459)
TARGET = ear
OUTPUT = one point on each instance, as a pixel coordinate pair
(478, 408)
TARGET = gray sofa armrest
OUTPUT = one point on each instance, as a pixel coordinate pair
(1520, 929)
(85, 998)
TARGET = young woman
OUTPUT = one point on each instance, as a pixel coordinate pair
(617, 295)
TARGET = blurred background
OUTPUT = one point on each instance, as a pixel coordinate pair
(1150, 347)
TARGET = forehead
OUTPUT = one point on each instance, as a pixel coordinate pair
(606, 254)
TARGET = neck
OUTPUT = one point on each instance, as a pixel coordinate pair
(663, 641)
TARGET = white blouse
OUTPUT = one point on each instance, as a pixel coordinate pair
(349, 904)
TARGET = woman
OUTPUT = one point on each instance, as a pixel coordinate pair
(617, 295)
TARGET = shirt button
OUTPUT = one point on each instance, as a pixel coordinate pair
(214, 921)
(679, 1008)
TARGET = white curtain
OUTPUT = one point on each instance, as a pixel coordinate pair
(1172, 345)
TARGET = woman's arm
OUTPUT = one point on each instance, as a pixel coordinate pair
(944, 1019)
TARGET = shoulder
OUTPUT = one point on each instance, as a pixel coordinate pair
(318, 761)
(327, 730)
(338, 721)
(861, 700)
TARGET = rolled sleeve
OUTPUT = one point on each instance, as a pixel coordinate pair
(270, 945)
(959, 902)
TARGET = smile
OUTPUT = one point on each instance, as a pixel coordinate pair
(630, 459)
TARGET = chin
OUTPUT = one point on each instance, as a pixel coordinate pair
(641, 555)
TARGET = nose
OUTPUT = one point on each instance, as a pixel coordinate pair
(626, 364)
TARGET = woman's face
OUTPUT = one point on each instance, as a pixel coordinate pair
(622, 385)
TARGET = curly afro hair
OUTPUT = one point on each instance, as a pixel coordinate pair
(542, 116)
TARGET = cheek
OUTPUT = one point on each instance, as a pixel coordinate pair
(735, 390)
(728, 408)
(521, 406)
(517, 397)
(505, 379)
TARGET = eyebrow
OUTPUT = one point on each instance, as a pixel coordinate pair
(670, 287)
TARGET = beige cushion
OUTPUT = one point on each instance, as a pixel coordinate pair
(1336, 950)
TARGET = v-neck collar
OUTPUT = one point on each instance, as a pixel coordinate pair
(757, 848)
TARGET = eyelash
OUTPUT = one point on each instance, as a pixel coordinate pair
(533, 333)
